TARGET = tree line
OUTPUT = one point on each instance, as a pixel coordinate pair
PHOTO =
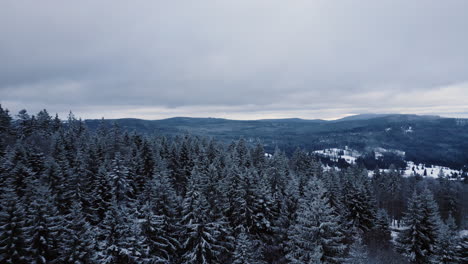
(71, 195)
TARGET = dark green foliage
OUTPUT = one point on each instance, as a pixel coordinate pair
(425, 145)
(316, 235)
(419, 239)
(107, 195)
(44, 228)
(13, 238)
(78, 242)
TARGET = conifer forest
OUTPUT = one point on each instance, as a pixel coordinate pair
(70, 194)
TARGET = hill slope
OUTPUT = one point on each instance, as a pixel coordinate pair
(425, 139)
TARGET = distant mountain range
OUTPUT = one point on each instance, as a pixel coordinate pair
(424, 139)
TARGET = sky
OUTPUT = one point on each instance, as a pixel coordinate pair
(243, 59)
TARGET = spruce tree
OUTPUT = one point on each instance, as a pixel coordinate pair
(448, 242)
(358, 253)
(13, 246)
(316, 236)
(44, 228)
(202, 236)
(159, 224)
(245, 252)
(78, 242)
(380, 236)
(418, 240)
(119, 241)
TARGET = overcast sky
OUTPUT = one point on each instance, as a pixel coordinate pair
(234, 59)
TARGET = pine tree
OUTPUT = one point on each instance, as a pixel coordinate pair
(358, 253)
(185, 166)
(159, 222)
(448, 242)
(119, 241)
(202, 237)
(13, 247)
(119, 177)
(431, 224)
(359, 201)
(241, 155)
(380, 236)
(78, 244)
(44, 121)
(101, 196)
(5, 129)
(44, 228)
(159, 245)
(418, 241)
(316, 236)
(410, 240)
(258, 157)
(25, 124)
(5, 120)
(245, 250)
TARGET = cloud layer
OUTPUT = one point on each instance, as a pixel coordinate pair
(234, 59)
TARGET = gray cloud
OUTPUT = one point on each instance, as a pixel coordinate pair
(235, 59)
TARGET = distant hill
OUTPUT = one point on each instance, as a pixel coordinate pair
(424, 139)
(362, 117)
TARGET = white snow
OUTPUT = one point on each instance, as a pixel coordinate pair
(431, 170)
(409, 130)
(335, 154)
(350, 156)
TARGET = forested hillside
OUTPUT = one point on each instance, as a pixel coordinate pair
(70, 194)
(423, 139)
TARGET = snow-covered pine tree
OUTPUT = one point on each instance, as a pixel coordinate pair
(101, 196)
(448, 242)
(359, 201)
(410, 239)
(258, 157)
(418, 240)
(240, 155)
(13, 246)
(203, 243)
(78, 240)
(431, 224)
(159, 221)
(380, 236)
(358, 253)
(245, 252)
(119, 242)
(44, 228)
(119, 177)
(315, 237)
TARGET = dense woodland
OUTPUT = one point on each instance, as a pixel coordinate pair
(74, 195)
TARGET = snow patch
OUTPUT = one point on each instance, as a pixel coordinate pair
(335, 154)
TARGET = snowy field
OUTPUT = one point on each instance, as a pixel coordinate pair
(411, 169)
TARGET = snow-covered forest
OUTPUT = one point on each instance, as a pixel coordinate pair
(73, 195)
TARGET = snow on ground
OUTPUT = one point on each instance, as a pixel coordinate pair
(395, 229)
(334, 154)
(429, 170)
(379, 152)
(409, 130)
(411, 169)
(432, 171)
